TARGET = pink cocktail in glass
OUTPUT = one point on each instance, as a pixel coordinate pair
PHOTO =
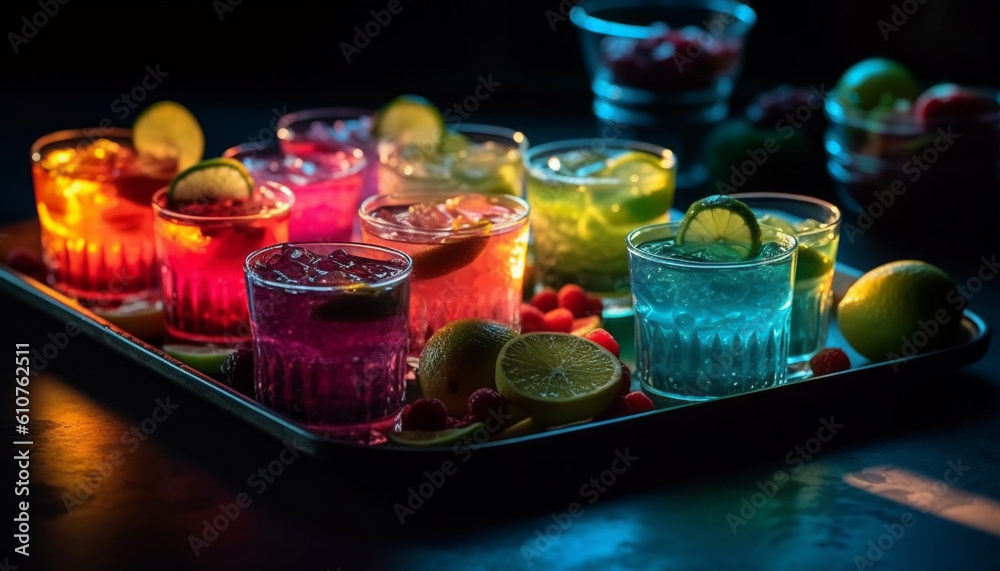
(325, 129)
(202, 247)
(330, 335)
(326, 182)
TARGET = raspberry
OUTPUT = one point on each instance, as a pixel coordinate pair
(26, 262)
(559, 320)
(596, 305)
(829, 360)
(604, 339)
(452, 422)
(639, 402)
(238, 369)
(626, 380)
(532, 318)
(545, 300)
(427, 414)
(573, 298)
(618, 409)
(484, 400)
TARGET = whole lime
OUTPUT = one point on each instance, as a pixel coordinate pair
(875, 83)
(900, 308)
(460, 358)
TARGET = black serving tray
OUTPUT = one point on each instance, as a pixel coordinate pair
(730, 413)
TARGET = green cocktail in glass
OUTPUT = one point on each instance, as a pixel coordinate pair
(586, 196)
(816, 224)
(466, 158)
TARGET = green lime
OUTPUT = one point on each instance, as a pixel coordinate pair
(410, 119)
(460, 358)
(211, 179)
(725, 227)
(144, 320)
(647, 188)
(898, 305)
(875, 83)
(205, 358)
(812, 264)
(168, 129)
(444, 437)
(557, 378)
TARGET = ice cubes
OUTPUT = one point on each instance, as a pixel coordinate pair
(300, 266)
(770, 250)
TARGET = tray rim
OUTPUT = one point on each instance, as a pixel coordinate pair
(56, 305)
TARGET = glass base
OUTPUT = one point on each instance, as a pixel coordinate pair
(368, 434)
(798, 369)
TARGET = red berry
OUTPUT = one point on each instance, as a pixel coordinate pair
(532, 318)
(604, 339)
(626, 380)
(26, 262)
(618, 409)
(545, 300)
(452, 422)
(829, 360)
(427, 414)
(639, 402)
(404, 417)
(559, 320)
(573, 298)
(596, 305)
(484, 400)
(238, 369)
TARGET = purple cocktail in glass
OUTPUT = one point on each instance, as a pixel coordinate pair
(329, 323)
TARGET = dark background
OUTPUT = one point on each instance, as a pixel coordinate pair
(236, 68)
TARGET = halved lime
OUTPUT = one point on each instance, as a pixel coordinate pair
(205, 358)
(144, 320)
(557, 378)
(812, 264)
(410, 119)
(724, 226)
(444, 437)
(212, 179)
(647, 193)
(442, 259)
(168, 129)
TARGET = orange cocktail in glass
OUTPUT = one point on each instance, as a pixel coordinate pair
(93, 195)
(468, 253)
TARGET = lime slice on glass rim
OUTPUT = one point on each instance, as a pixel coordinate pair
(647, 193)
(207, 359)
(444, 437)
(557, 378)
(167, 129)
(443, 259)
(211, 179)
(410, 119)
(723, 227)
